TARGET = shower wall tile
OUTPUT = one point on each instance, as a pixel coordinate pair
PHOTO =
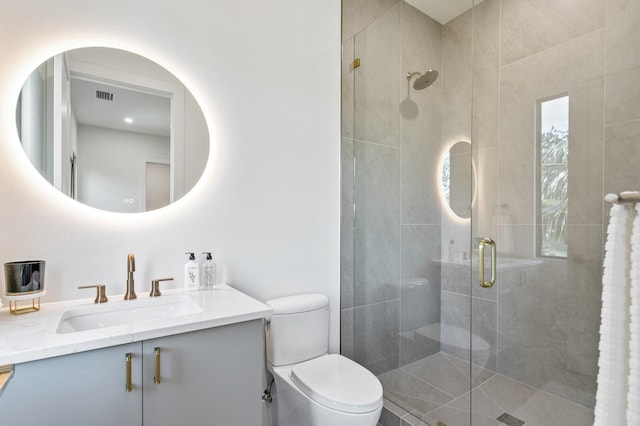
(586, 140)
(455, 278)
(419, 117)
(621, 153)
(376, 336)
(623, 96)
(623, 61)
(486, 74)
(575, 67)
(456, 79)
(420, 156)
(346, 333)
(548, 333)
(623, 35)
(377, 231)
(346, 225)
(358, 14)
(420, 245)
(421, 43)
(419, 291)
(411, 393)
(376, 81)
(485, 205)
(529, 27)
(455, 310)
(346, 91)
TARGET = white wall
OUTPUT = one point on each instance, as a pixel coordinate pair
(267, 77)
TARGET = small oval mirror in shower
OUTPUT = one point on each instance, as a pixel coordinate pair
(457, 179)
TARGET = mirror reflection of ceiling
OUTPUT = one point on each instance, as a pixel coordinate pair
(443, 10)
(148, 113)
(94, 120)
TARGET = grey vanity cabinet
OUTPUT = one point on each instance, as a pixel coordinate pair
(207, 377)
(86, 388)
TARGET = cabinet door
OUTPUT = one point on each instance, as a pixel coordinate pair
(207, 377)
(86, 388)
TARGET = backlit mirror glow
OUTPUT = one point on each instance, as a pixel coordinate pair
(112, 129)
(457, 180)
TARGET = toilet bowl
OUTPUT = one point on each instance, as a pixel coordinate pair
(313, 387)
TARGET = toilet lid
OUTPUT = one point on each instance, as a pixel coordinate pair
(338, 383)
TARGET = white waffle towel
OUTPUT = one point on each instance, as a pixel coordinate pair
(613, 362)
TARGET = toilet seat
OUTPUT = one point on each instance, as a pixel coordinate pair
(338, 383)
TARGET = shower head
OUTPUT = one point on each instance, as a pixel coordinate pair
(424, 79)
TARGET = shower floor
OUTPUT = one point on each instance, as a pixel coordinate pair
(436, 389)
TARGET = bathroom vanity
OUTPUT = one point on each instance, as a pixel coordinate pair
(200, 368)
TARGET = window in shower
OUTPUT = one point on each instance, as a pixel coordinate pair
(553, 173)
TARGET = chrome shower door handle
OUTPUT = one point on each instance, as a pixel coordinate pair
(486, 242)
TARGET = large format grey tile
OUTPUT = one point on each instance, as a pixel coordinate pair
(456, 79)
(621, 155)
(477, 374)
(346, 333)
(528, 27)
(456, 310)
(377, 82)
(421, 42)
(410, 393)
(623, 36)
(486, 76)
(420, 155)
(545, 409)
(622, 96)
(575, 68)
(420, 290)
(440, 372)
(548, 323)
(535, 406)
(347, 87)
(420, 116)
(377, 223)
(346, 225)
(357, 14)
(375, 336)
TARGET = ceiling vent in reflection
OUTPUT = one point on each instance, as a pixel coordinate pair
(105, 96)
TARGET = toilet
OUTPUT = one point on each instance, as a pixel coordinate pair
(313, 387)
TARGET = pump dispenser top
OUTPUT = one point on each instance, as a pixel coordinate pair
(191, 273)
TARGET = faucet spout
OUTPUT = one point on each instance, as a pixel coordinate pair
(131, 267)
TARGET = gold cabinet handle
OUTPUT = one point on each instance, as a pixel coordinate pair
(156, 378)
(486, 242)
(127, 386)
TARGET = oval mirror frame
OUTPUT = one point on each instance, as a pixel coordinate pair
(457, 180)
(112, 129)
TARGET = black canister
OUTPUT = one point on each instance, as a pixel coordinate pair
(25, 277)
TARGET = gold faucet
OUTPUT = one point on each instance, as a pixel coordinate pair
(131, 267)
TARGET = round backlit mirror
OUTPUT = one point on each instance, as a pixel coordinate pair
(457, 179)
(112, 129)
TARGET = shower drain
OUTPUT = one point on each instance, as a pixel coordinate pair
(509, 420)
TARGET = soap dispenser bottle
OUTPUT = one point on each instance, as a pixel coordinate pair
(208, 272)
(191, 273)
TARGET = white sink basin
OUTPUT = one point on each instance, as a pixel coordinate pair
(126, 313)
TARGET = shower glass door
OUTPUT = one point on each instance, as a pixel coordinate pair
(489, 123)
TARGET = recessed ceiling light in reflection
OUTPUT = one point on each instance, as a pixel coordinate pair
(128, 120)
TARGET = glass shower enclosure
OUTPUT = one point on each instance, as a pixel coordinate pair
(502, 123)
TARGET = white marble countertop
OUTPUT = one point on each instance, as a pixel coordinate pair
(34, 336)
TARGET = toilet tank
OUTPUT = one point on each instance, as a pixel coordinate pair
(299, 328)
